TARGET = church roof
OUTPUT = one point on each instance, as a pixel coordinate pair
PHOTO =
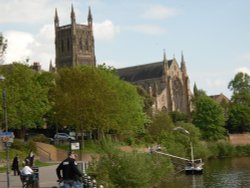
(143, 72)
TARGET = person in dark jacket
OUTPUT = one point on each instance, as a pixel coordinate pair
(70, 173)
(15, 165)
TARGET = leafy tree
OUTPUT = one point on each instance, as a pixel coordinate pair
(239, 118)
(27, 100)
(95, 99)
(3, 46)
(161, 123)
(240, 83)
(148, 100)
(239, 109)
(198, 92)
(209, 117)
(177, 142)
(178, 116)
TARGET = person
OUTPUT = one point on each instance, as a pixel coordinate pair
(68, 172)
(31, 158)
(15, 165)
(27, 170)
(27, 175)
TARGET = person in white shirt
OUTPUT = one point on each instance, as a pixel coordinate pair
(27, 170)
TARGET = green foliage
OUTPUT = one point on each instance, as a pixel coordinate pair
(242, 150)
(209, 117)
(3, 46)
(239, 110)
(89, 99)
(32, 146)
(40, 138)
(178, 116)
(120, 169)
(148, 100)
(161, 123)
(221, 149)
(240, 83)
(239, 118)
(17, 144)
(27, 98)
(178, 142)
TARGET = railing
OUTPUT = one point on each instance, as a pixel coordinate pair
(40, 149)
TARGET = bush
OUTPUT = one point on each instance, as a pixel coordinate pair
(124, 170)
(17, 144)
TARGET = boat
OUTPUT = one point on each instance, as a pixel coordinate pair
(194, 167)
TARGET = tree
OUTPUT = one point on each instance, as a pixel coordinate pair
(3, 46)
(161, 123)
(95, 99)
(240, 83)
(209, 117)
(27, 100)
(239, 109)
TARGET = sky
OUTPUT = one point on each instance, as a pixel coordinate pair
(214, 35)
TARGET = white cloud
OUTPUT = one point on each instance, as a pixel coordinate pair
(159, 12)
(18, 43)
(36, 48)
(35, 11)
(105, 30)
(243, 69)
(148, 29)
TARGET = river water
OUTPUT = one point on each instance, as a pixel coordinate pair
(218, 173)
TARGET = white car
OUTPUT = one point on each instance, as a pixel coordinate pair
(63, 137)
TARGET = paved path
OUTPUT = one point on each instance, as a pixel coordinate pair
(47, 178)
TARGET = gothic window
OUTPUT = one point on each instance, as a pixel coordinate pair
(164, 109)
(80, 43)
(87, 43)
(178, 94)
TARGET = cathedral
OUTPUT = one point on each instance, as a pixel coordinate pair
(165, 81)
(74, 43)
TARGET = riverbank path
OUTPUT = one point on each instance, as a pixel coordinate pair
(47, 178)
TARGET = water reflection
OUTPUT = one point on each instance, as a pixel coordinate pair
(223, 173)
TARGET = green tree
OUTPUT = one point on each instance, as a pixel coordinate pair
(95, 99)
(3, 46)
(161, 123)
(209, 117)
(239, 109)
(27, 100)
(240, 83)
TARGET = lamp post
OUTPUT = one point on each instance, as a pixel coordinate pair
(2, 78)
(191, 145)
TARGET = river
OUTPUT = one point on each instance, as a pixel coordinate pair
(218, 173)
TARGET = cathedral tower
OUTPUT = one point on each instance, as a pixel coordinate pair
(74, 43)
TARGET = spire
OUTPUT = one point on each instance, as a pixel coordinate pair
(164, 56)
(183, 64)
(182, 57)
(73, 17)
(90, 18)
(56, 19)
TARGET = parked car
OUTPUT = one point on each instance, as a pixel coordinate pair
(63, 137)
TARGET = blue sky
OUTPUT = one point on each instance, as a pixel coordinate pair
(214, 35)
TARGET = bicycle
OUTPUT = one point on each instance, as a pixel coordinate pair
(28, 181)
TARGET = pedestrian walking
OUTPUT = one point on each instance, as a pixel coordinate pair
(68, 172)
(15, 165)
